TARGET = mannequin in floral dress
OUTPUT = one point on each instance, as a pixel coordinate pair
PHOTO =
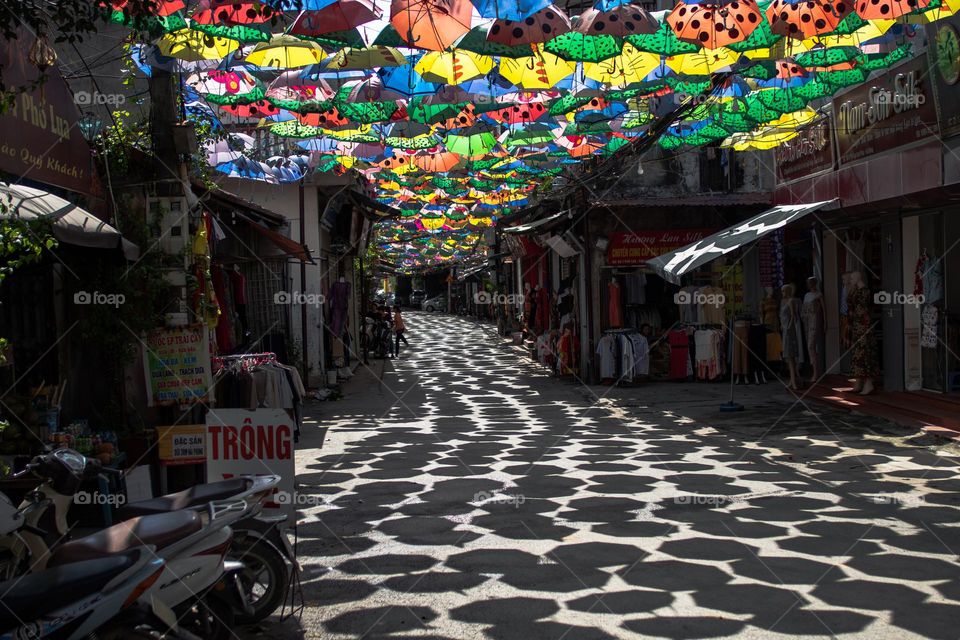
(866, 363)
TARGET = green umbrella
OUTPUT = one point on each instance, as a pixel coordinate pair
(352, 137)
(293, 129)
(827, 57)
(530, 136)
(878, 61)
(664, 42)
(762, 37)
(240, 32)
(636, 119)
(471, 145)
(782, 100)
(762, 70)
(432, 113)
(613, 146)
(153, 25)
(235, 99)
(367, 112)
(476, 40)
(848, 25)
(568, 102)
(580, 47)
(417, 142)
(586, 128)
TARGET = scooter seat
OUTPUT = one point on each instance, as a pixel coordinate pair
(29, 597)
(192, 497)
(160, 530)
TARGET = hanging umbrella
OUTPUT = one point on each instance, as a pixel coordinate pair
(715, 23)
(285, 52)
(540, 27)
(232, 12)
(160, 8)
(509, 9)
(807, 18)
(519, 113)
(438, 162)
(364, 59)
(664, 42)
(453, 67)
(470, 146)
(342, 15)
(431, 24)
(476, 41)
(888, 9)
(704, 63)
(217, 82)
(192, 45)
(578, 47)
(623, 20)
(256, 109)
(629, 67)
(244, 167)
(537, 72)
(406, 81)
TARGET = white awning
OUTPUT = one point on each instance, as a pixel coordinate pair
(536, 224)
(71, 224)
(671, 266)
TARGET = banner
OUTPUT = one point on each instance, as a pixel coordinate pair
(636, 248)
(41, 139)
(176, 365)
(254, 442)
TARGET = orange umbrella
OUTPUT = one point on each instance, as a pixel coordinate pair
(431, 24)
(437, 162)
(888, 9)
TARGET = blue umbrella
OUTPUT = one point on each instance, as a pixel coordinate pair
(405, 81)
(515, 10)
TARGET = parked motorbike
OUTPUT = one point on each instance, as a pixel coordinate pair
(106, 596)
(198, 583)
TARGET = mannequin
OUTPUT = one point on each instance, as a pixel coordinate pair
(769, 308)
(814, 320)
(789, 317)
(865, 359)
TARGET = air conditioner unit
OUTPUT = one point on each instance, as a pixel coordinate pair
(560, 245)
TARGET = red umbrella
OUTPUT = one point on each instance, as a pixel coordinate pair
(807, 18)
(888, 9)
(258, 109)
(622, 20)
(716, 23)
(544, 25)
(788, 68)
(162, 7)
(520, 113)
(232, 12)
(329, 119)
(431, 24)
(339, 16)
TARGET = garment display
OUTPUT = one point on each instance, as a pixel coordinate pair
(774, 346)
(928, 334)
(258, 380)
(238, 287)
(928, 278)
(790, 329)
(740, 364)
(866, 361)
(607, 350)
(710, 353)
(770, 312)
(615, 304)
(339, 301)
(813, 320)
(689, 312)
(568, 351)
(680, 366)
(224, 330)
(641, 354)
(712, 306)
(543, 309)
(855, 243)
(639, 316)
(636, 286)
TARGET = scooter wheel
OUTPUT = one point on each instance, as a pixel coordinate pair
(265, 577)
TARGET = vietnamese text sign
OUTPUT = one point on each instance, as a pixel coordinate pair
(177, 365)
(636, 247)
(182, 444)
(894, 110)
(254, 442)
(41, 139)
(808, 154)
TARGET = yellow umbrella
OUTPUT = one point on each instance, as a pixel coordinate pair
(192, 46)
(540, 71)
(704, 62)
(760, 140)
(632, 65)
(453, 67)
(794, 120)
(286, 52)
(368, 58)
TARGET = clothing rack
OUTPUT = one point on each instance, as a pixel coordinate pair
(246, 359)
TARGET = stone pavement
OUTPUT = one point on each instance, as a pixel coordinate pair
(460, 492)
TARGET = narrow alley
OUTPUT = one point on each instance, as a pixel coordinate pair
(470, 495)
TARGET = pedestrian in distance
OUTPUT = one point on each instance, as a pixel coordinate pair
(399, 328)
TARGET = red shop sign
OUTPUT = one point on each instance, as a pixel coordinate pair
(636, 247)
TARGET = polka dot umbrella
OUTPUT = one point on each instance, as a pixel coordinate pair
(807, 18)
(624, 20)
(887, 9)
(233, 12)
(714, 23)
(540, 27)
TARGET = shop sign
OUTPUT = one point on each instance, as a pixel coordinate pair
(41, 139)
(177, 365)
(636, 247)
(945, 62)
(810, 153)
(182, 444)
(254, 442)
(894, 110)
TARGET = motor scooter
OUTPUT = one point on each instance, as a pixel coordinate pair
(105, 596)
(199, 584)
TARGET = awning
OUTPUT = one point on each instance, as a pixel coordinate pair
(672, 266)
(471, 270)
(71, 224)
(369, 206)
(289, 246)
(537, 225)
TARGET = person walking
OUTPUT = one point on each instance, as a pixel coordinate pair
(399, 328)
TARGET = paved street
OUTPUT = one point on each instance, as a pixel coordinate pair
(470, 495)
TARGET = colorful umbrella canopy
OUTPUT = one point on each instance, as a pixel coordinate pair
(286, 52)
(807, 18)
(539, 71)
(622, 20)
(714, 23)
(342, 15)
(232, 12)
(434, 25)
(509, 9)
(453, 67)
(888, 9)
(539, 27)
